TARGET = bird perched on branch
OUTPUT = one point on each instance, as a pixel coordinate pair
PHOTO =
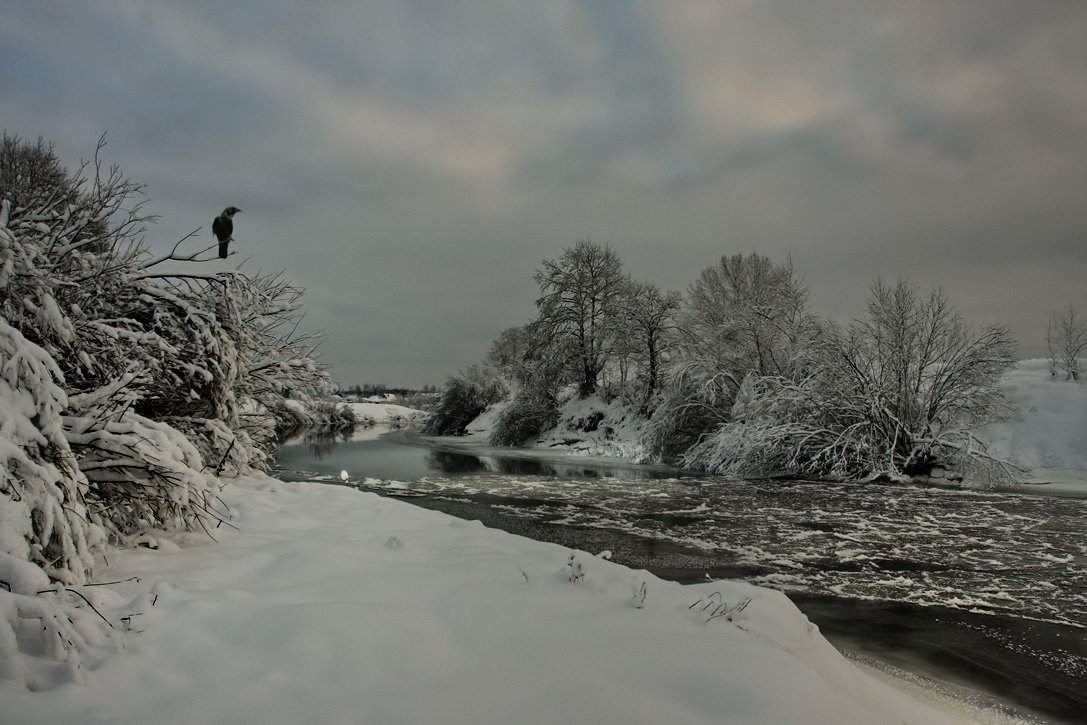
(223, 228)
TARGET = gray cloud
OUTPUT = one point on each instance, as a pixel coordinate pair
(410, 163)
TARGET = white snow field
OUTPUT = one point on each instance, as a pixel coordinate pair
(329, 605)
(1048, 434)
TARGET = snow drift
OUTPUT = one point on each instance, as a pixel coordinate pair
(330, 605)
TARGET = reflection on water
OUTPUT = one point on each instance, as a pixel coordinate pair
(401, 458)
(450, 462)
(321, 444)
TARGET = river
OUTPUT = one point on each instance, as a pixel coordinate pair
(983, 591)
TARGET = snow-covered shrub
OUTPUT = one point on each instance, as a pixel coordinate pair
(142, 378)
(780, 426)
(695, 401)
(526, 416)
(50, 634)
(47, 631)
(464, 397)
(743, 315)
(224, 450)
(897, 393)
(142, 473)
(43, 513)
(69, 237)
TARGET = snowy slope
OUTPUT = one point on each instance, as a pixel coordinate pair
(588, 427)
(332, 606)
(595, 428)
(1048, 433)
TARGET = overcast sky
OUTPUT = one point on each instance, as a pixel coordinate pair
(410, 163)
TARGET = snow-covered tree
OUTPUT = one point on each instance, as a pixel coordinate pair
(926, 374)
(581, 294)
(743, 315)
(649, 319)
(1066, 339)
(895, 393)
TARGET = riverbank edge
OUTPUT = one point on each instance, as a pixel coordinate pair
(972, 690)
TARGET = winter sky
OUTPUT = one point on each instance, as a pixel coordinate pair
(410, 162)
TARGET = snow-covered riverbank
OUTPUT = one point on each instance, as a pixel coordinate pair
(331, 605)
(1046, 432)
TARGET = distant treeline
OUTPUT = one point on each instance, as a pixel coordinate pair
(739, 376)
(377, 389)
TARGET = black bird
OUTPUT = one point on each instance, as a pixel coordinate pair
(223, 228)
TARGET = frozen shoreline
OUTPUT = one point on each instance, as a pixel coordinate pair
(333, 605)
(1047, 434)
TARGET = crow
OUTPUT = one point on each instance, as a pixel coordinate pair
(223, 228)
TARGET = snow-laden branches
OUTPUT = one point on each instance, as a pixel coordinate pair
(895, 394)
(126, 387)
(581, 295)
(43, 509)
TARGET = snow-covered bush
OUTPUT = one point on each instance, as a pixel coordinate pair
(43, 512)
(142, 473)
(693, 402)
(526, 416)
(897, 393)
(48, 632)
(781, 426)
(224, 450)
(131, 382)
(464, 397)
(125, 391)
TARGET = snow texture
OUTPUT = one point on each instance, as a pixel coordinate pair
(586, 426)
(42, 509)
(331, 605)
(1048, 432)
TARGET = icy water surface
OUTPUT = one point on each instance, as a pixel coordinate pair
(1018, 554)
(991, 587)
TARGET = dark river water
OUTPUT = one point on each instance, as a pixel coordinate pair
(983, 590)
